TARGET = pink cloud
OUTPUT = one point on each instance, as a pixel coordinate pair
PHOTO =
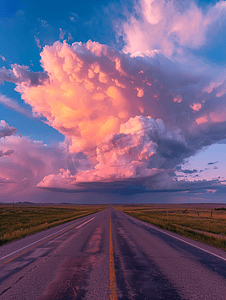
(101, 99)
(196, 106)
(168, 26)
(5, 153)
(44, 23)
(126, 115)
(122, 156)
(70, 36)
(211, 86)
(202, 119)
(2, 57)
(37, 41)
(62, 180)
(22, 75)
(84, 99)
(218, 116)
(6, 130)
(12, 104)
(177, 99)
(160, 24)
(24, 162)
(4, 180)
(62, 34)
(211, 191)
(88, 90)
(140, 92)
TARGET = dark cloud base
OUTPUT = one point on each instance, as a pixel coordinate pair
(122, 191)
(136, 186)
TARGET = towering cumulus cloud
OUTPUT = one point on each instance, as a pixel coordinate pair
(127, 154)
(129, 114)
(88, 93)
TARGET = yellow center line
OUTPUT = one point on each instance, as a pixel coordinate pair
(113, 289)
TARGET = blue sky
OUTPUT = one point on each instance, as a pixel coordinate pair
(189, 64)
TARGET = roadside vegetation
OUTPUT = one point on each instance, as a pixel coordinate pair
(203, 222)
(17, 221)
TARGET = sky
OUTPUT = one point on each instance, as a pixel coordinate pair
(113, 101)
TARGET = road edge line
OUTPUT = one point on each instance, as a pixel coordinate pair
(77, 227)
(161, 230)
(52, 234)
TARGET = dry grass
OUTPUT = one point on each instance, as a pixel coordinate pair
(204, 223)
(21, 220)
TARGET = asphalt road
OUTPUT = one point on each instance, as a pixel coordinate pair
(110, 255)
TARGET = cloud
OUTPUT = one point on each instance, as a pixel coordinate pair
(24, 162)
(62, 34)
(3, 181)
(22, 75)
(72, 19)
(196, 106)
(127, 155)
(163, 25)
(2, 57)
(81, 100)
(211, 191)
(70, 36)
(128, 116)
(8, 152)
(6, 130)
(12, 104)
(186, 171)
(44, 23)
(64, 182)
(159, 183)
(37, 41)
(123, 187)
(88, 90)
(212, 163)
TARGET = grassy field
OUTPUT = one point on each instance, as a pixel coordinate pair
(201, 222)
(20, 220)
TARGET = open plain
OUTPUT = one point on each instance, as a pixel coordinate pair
(19, 220)
(201, 222)
(110, 255)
